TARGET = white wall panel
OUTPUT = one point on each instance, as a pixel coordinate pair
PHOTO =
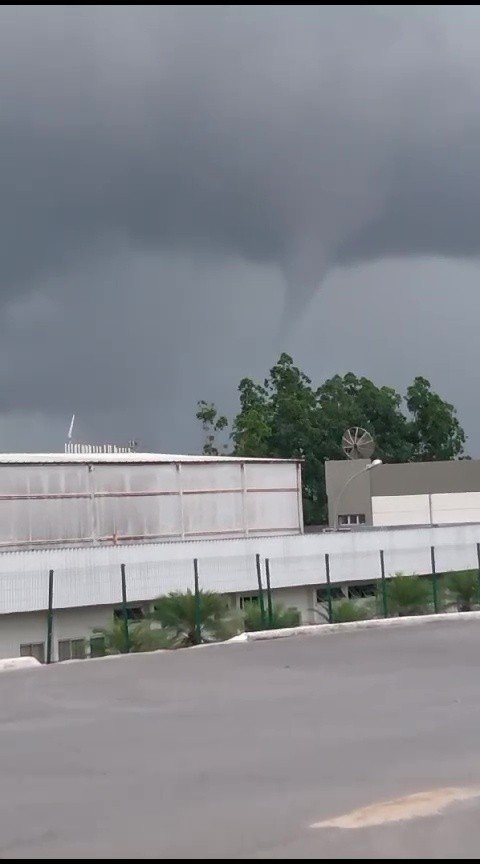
(43, 479)
(215, 476)
(212, 513)
(152, 516)
(270, 511)
(57, 519)
(135, 478)
(455, 507)
(43, 520)
(271, 475)
(400, 510)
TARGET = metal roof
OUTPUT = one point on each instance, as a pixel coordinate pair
(116, 458)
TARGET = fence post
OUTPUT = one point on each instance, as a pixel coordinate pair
(198, 600)
(384, 585)
(125, 610)
(329, 588)
(434, 580)
(269, 593)
(478, 559)
(50, 617)
(260, 591)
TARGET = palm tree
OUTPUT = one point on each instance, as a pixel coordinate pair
(408, 595)
(280, 618)
(141, 637)
(176, 612)
(463, 587)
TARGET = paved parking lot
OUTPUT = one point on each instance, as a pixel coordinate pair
(235, 751)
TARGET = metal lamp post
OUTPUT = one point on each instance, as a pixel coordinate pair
(363, 471)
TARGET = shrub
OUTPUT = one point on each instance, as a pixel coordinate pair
(281, 618)
(175, 612)
(141, 637)
(347, 610)
(408, 595)
(463, 588)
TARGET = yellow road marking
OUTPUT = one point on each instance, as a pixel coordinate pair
(410, 807)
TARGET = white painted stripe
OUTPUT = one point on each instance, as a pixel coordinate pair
(414, 806)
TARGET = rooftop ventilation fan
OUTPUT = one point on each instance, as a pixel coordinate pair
(357, 443)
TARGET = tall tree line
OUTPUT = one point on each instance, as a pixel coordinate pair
(286, 417)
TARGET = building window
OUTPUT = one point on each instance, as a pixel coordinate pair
(134, 613)
(352, 519)
(71, 649)
(33, 649)
(336, 593)
(365, 589)
(247, 599)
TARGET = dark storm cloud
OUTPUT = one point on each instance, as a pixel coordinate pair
(297, 138)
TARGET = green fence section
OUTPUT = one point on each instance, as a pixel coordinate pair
(392, 596)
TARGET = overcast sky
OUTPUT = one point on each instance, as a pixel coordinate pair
(188, 191)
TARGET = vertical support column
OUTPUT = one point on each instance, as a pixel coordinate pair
(434, 580)
(299, 498)
(269, 593)
(478, 560)
(260, 590)
(125, 611)
(329, 588)
(93, 503)
(50, 617)
(384, 585)
(198, 600)
(244, 499)
(180, 493)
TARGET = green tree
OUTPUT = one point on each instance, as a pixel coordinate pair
(212, 423)
(286, 417)
(176, 614)
(437, 432)
(352, 401)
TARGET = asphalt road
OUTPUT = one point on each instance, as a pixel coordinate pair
(234, 751)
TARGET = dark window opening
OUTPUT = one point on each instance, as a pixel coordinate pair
(367, 589)
(134, 613)
(336, 593)
(249, 598)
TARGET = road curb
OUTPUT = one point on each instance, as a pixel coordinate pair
(372, 624)
(8, 664)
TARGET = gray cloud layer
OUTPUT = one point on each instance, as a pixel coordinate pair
(144, 151)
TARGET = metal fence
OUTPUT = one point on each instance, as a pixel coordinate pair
(119, 585)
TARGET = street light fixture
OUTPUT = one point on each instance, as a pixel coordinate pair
(363, 471)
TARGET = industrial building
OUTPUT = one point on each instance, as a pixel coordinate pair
(63, 511)
(70, 521)
(416, 493)
(101, 498)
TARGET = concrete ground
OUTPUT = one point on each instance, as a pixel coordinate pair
(235, 751)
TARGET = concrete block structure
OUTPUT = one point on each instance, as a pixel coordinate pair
(414, 493)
